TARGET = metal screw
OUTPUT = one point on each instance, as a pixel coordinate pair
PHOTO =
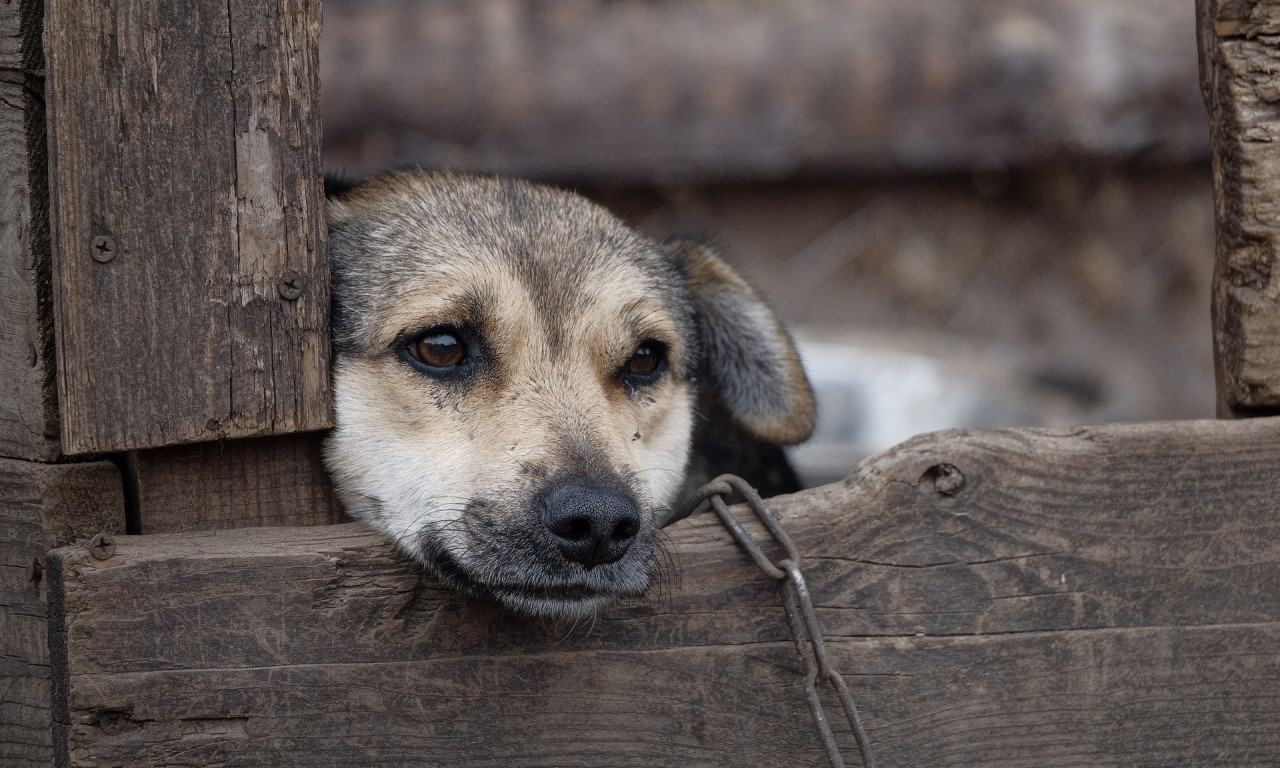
(290, 285)
(104, 249)
(102, 546)
(947, 480)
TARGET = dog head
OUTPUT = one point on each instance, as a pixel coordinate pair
(515, 380)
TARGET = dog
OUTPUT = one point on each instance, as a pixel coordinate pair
(524, 385)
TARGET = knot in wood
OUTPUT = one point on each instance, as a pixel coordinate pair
(948, 480)
(113, 722)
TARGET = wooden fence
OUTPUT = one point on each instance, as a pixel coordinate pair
(1092, 596)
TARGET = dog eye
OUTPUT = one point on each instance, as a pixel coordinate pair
(646, 361)
(439, 350)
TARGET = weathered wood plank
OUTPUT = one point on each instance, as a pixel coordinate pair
(41, 506)
(1239, 58)
(1050, 609)
(184, 148)
(707, 90)
(1155, 696)
(28, 399)
(278, 481)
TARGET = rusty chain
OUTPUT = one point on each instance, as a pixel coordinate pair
(795, 598)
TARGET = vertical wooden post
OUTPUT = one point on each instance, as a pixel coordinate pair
(1240, 79)
(191, 287)
(42, 506)
(187, 284)
(28, 413)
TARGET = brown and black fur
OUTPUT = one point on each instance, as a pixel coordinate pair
(538, 469)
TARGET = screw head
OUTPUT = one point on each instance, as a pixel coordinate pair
(102, 546)
(103, 250)
(291, 285)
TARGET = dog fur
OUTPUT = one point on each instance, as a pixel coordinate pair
(539, 469)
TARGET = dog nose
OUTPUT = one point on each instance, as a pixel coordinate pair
(590, 525)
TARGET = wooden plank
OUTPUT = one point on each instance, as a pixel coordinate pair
(28, 400)
(1157, 696)
(1080, 597)
(184, 148)
(41, 506)
(269, 481)
(1239, 56)
(708, 90)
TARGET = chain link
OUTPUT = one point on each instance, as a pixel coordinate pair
(795, 598)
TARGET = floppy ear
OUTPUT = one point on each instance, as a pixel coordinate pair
(749, 364)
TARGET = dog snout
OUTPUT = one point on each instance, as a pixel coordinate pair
(590, 525)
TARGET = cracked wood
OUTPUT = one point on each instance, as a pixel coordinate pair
(1239, 58)
(1085, 597)
(184, 146)
(28, 407)
(41, 506)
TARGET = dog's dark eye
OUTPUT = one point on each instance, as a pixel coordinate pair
(439, 350)
(646, 363)
(645, 360)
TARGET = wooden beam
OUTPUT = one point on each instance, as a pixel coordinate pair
(1063, 598)
(708, 90)
(1239, 58)
(1159, 696)
(28, 399)
(265, 481)
(188, 246)
(41, 506)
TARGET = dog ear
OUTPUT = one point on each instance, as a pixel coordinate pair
(749, 363)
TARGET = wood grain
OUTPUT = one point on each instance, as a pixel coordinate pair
(707, 90)
(41, 506)
(1239, 56)
(266, 481)
(1084, 597)
(1158, 696)
(28, 399)
(186, 134)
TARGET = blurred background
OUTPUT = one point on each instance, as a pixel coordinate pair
(970, 213)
